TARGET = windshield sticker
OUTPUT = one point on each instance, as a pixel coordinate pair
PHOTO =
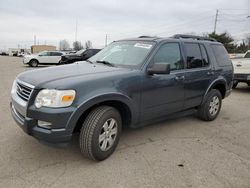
(143, 45)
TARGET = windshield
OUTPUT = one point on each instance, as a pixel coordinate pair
(80, 51)
(124, 53)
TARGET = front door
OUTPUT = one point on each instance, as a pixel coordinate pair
(44, 57)
(162, 94)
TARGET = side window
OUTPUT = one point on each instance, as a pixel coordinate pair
(221, 55)
(204, 55)
(194, 59)
(44, 54)
(55, 54)
(247, 55)
(169, 53)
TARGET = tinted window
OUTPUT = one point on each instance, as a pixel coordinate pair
(169, 53)
(204, 55)
(55, 53)
(221, 55)
(194, 58)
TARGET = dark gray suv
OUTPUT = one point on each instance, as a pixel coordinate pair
(130, 83)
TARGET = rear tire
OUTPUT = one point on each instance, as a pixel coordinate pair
(100, 133)
(33, 63)
(211, 106)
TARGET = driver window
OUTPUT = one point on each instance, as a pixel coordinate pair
(43, 54)
(169, 53)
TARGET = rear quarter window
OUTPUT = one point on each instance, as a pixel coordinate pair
(221, 55)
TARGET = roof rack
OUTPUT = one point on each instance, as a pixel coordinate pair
(146, 37)
(178, 36)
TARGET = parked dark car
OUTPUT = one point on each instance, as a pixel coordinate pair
(130, 83)
(81, 55)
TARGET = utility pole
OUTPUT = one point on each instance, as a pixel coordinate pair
(215, 21)
(106, 40)
(34, 39)
(76, 31)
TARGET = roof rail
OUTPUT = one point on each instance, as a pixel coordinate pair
(146, 37)
(178, 36)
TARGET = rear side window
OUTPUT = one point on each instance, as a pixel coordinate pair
(221, 55)
(56, 53)
(194, 56)
(247, 55)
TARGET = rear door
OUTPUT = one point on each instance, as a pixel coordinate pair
(55, 57)
(199, 73)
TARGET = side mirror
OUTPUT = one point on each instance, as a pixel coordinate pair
(159, 68)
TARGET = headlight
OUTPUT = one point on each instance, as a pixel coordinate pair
(55, 98)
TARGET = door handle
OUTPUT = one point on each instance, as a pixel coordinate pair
(177, 78)
(238, 65)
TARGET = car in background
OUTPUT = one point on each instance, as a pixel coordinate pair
(81, 55)
(3, 53)
(242, 69)
(45, 57)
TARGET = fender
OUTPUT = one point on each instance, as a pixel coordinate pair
(219, 80)
(85, 105)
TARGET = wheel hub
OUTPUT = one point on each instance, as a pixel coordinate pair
(108, 134)
(214, 106)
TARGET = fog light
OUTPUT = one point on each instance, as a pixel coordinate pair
(44, 124)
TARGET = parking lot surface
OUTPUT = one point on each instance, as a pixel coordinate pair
(184, 152)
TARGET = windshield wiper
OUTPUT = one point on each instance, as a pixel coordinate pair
(89, 61)
(106, 63)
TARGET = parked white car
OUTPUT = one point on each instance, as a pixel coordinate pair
(242, 69)
(45, 57)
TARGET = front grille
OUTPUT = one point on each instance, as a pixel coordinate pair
(23, 91)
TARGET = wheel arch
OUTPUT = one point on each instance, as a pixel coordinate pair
(120, 102)
(220, 85)
(33, 59)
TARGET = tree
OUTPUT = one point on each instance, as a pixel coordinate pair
(77, 46)
(88, 44)
(226, 40)
(63, 45)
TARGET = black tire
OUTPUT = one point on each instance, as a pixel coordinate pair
(204, 110)
(33, 63)
(235, 84)
(93, 127)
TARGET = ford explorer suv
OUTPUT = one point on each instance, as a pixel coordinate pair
(242, 69)
(81, 55)
(45, 58)
(130, 83)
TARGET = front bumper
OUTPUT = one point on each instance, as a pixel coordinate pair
(26, 61)
(31, 127)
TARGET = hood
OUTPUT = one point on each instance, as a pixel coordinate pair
(30, 56)
(85, 69)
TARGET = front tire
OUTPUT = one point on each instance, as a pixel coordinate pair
(211, 106)
(33, 63)
(100, 133)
